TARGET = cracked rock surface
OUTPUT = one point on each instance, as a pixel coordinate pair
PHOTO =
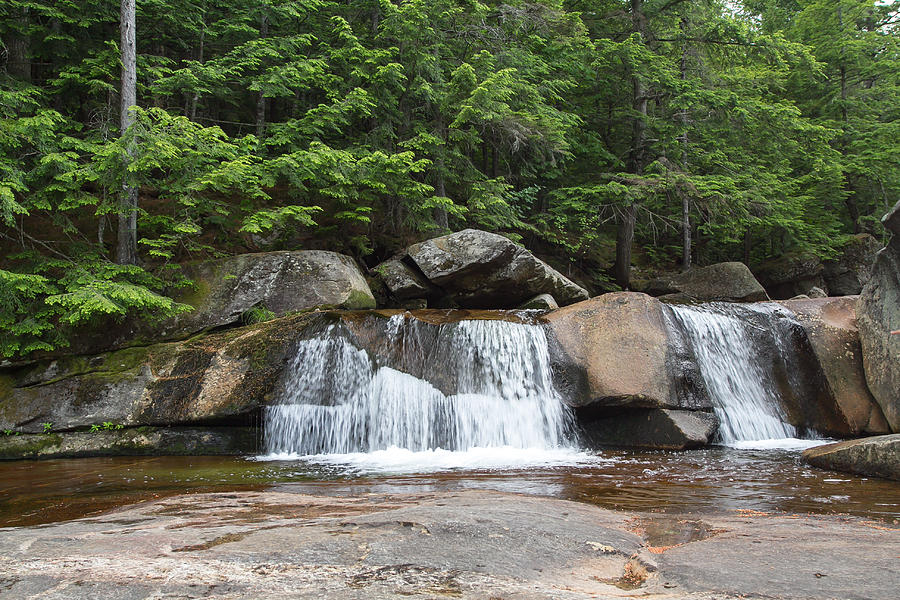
(472, 544)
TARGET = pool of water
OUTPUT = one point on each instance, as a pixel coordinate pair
(712, 480)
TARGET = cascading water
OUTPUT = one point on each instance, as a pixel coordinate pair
(736, 347)
(455, 386)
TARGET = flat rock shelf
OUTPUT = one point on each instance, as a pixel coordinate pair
(464, 544)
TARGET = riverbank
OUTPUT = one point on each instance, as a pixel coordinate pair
(463, 544)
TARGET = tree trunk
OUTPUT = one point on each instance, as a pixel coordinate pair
(685, 196)
(261, 99)
(18, 46)
(126, 251)
(196, 97)
(637, 159)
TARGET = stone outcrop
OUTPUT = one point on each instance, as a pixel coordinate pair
(877, 456)
(791, 275)
(475, 269)
(214, 378)
(226, 291)
(616, 350)
(729, 281)
(848, 273)
(831, 327)
(653, 428)
(540, 302)
(143, 441)
(879, 315)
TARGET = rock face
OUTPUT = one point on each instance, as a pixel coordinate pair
(616, 351)
(476, 269)
(831, 327)
(791, 275)
(540, 302)
(142, 441)
(877, 456)
(209, 379)
(282, 282)
(226, 289)
(847, 274)
(653, 428)
(730, 281)
(879, 314)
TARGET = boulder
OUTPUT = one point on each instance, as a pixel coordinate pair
(791, 275)
(540, 302)
(879, 314)
(213, 378)
(615, 350)
(653, 428)
(143, 441)
(226, 291)
(891, 220)
(281, 282)
(403, 282)
(877, 456)
(729, 281)
(831, 327)
(477, 269)
(816, 292)
(848, 273)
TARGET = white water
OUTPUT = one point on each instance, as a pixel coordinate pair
(340, 401)
(744, 395)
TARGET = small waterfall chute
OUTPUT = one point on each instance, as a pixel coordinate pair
(455, 386)
(736, 347)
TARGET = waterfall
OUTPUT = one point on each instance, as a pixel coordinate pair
(743, 352)
(414, 385)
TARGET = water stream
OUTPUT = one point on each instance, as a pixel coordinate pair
(454, 387)
(738, 349)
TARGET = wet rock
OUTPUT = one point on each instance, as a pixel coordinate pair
(877, 456)
(144, 441)
(729, 281)
(212, 377)
(540, 302)
(848, 273)
(477, 269)
(652, 428)
(791, 275)
(617, 350)
(831, 326)
(879, 315)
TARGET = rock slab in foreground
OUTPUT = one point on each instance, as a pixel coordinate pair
(877, 456)
(729, 281)
(879, 314)
(477, 269)
(474, 544)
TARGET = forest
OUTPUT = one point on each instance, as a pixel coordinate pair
(611, 136)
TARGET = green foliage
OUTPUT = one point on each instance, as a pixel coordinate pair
(46, 428)
(106, 426)
(364, 125)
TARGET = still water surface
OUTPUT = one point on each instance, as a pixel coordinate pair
(712, 480)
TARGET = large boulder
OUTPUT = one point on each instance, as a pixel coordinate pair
(729, 281)
(280, 282)
(879, 315)
(653, 428)
(477, 269)
(791, 275)
(877, 456)
(848, 273)
(615, 351)
(214, 378)
(228, 291)
(831, 328)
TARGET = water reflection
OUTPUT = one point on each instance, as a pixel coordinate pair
(699, 482)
